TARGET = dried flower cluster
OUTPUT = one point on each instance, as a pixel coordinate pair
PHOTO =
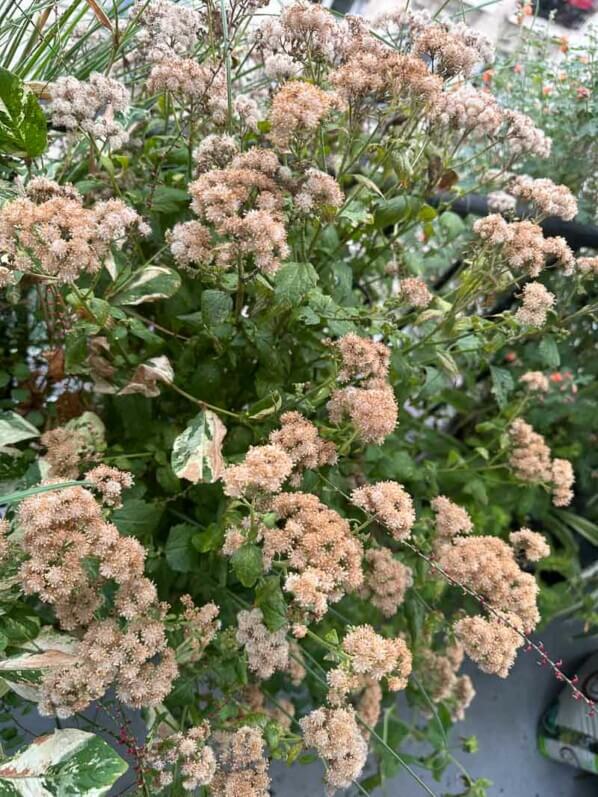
(242, 204)
(165, 28)
(415, 291)
(531, 461)
(66, 450)
(529, 544)
(369, 657)
(202, 86)
(319, 547)
(266, 651)
(370, 404)
(303, 444)
(439, 673)
(523, 245)
(303, 31)
(109, 483)
(489, 642)
(201, 626)
(242, 766)
(297, 110)
(386, 580)
(535, 381)
(90, 106)
(562, 478)
(588, 265)
(550, 199)
(450, 518)
(334, 734)
(264, 469)
(501, 202)
(58, 238)
(537, 301)
(390, 504)
(319, 193)
(488, 568)
(63, 532)
(187, 752)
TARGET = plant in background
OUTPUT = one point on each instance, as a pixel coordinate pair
(266, 457)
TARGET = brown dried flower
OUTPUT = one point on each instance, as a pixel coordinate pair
(386, 581)
(334, 734)
(266, 651)
(451, 519)
(390, 503)
(529, 544)
(264, 469)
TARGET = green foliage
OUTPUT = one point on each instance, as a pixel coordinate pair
(173, 370)
(22, 121)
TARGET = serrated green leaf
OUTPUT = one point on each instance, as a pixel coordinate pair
(293, 281)
(247, 564)
(549, 352)
(269, 598)
(502, 384)
(216, 306)
(208, 540)
(197, 452)
(167, 199)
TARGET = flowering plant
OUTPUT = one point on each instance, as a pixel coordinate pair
(265, 464)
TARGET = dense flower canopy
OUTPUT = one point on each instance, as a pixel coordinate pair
(283, 433)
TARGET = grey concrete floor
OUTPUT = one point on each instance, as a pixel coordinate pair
(503, 717)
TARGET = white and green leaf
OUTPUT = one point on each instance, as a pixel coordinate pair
(197, 452)
(148, 285)
(68, 762)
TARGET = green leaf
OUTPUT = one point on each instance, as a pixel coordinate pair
(180, 552)
(393, 210)
(14, 428)
(68, 762)
(247, 564)
(367, 183)
(23, 129)
(148, 285)
(216, 306)
(137, 518)
(208, 540)
(427, 213)
(549, 352)
(269, 598)
(197, 452)
(477, 489)
(167, 199)
(293, 281)
(581, 525)
(452, 225)
(502, 384)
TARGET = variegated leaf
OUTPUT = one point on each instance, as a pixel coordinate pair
(148, 285)
(68, 761)
(197, 452)
(146, 377)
